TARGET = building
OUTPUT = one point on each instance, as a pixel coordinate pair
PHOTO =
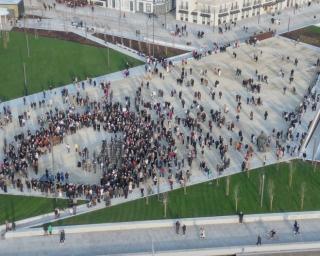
(4, 14)
(15, 7)
(143, 6)
(216, 12)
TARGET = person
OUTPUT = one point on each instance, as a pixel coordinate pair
(240, 217)
(50, 229)
(177, 227)
(296, 228)
(202, 233)
(45, 229)
(258, 240)
(272, 233)
(62, 236)
(184, 228)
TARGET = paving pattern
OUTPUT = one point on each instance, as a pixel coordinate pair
(274, 101)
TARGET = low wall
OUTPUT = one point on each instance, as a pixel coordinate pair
(241, 250)
(291, 216)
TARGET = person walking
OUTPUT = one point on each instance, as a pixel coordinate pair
(62, 236)
(177, 227)
(258, 240)
(184, 229)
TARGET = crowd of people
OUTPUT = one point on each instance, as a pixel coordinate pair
(150, 139)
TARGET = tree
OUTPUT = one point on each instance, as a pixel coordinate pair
(262, 189)
(227, 185)
(236, 196)
(302, 194)
(271, 193)
(165, 203)
(291, 170)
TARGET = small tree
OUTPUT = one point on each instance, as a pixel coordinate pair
(165, 203)
(262, 190)
(236, 196)
(149, 192)
(260, 183)
(314, 151)
(302, 194)
(291, 170)
(227, 185)
(271, 193)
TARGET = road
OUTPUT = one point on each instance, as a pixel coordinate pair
(111, 22)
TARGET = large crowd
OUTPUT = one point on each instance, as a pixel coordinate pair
(152, 140)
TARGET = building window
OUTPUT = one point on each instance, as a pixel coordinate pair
(113, 3)
(203, 20)
(194, 18)
(131, 6)
(148, 8)
(187, 6)
(106, 3)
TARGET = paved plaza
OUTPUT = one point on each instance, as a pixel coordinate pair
(272, 56)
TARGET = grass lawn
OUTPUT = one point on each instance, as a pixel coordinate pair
(309, 35)
(52, 62)
(209, 199)
(21, 207)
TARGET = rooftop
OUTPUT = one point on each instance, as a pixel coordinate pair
(10, 1)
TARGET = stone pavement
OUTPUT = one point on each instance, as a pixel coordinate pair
(271, 95)
(110, 21)
(155, 240)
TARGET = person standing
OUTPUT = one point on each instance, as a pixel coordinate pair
(240, 217)
(177, 227)
(62, 236)
(50, 229)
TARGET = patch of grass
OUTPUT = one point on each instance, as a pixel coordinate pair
(308, 35)
(209, 198)
(52, 62)
(14, 208)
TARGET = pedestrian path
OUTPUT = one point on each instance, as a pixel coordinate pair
(158, 240)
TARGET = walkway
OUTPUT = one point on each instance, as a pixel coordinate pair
(163, 239)
(109, 21)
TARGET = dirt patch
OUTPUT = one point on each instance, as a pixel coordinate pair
(308, 35)
(145, 48)
(68, 36)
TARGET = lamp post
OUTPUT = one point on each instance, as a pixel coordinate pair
(153, 28)
(119, 15)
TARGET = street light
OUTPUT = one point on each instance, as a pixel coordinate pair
(153, 28)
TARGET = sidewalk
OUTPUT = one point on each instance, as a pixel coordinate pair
(110, 21)
(219, 237)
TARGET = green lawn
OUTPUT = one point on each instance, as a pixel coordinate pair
(21, 207)
(308, 35)
(52, 62)
(209, 199)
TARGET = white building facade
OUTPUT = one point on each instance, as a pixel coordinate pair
(143, 6)
(216, 12)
